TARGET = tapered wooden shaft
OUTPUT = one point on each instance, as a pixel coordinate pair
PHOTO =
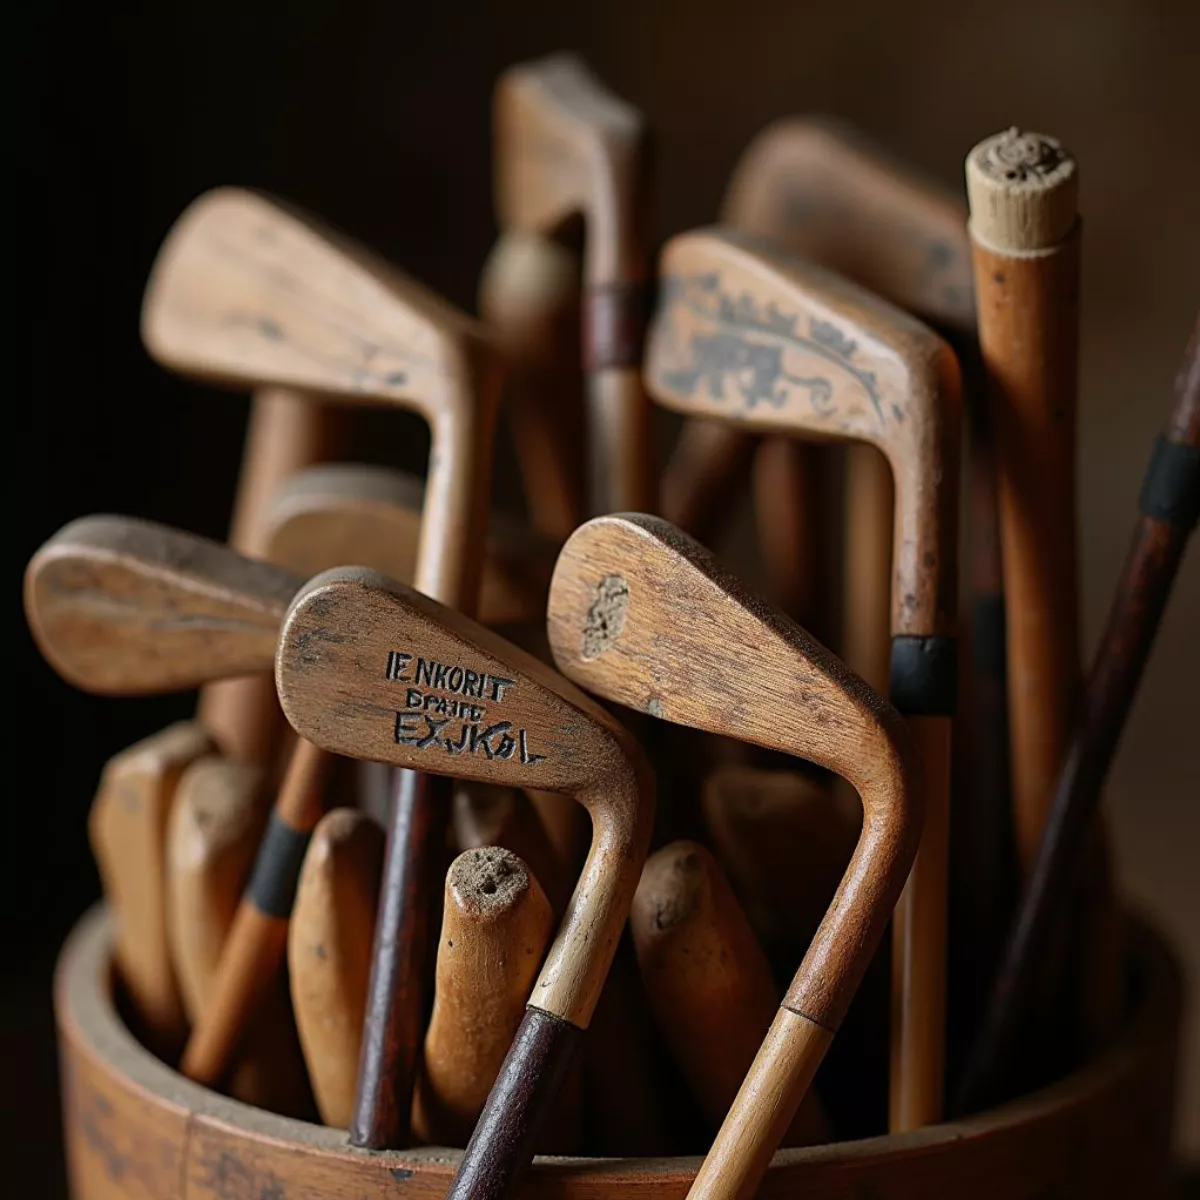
(708, 465)
(287, 431)
(530, 296)
(329, 953)
(127, 827)
(257, 941)
(496, 926)
(1169, 503)
(707, 980)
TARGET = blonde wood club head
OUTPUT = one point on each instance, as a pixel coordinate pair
(349, 513)
(817, 187)
(567, 148)
(249, 293)
(370, 668)
(751, 335)
(644, 616)
(126, 607)
(329, 953)
(127, 827)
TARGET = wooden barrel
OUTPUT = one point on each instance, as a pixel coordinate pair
(135, 1129)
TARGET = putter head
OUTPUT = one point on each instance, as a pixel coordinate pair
(342, 513)
(124, 607)
(747, 334)
(817, 187)
(566, 147)
(250, 293)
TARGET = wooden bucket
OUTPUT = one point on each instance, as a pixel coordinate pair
(135, 1128)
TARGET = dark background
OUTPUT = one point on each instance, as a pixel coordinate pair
(376, 116)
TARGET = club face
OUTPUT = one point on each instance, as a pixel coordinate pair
(126, 607)
(644, 616)
(248, 293)
(556, 126)
(818, 188)
(371, 669)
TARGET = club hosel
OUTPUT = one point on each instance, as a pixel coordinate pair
(924, 675)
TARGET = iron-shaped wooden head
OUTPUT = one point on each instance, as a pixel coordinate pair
(372, 669)
(125, 607)
(747, 334)
(816, 187)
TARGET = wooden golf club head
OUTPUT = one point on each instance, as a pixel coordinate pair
(341, 513)
(372, 669)
(751, 335)
(817, 187)
(644, 616)
(125, 607)
(567, 148)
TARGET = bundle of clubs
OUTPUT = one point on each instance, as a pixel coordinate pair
(624, 985)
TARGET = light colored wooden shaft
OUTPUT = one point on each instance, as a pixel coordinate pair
(707, 980)
(505, 817)
(622, 467)
(329, 953)
(127, 827)
(286, 432)
(917, 1077)
(702, 475)
(530, 296)
(779, 1077)
(1025, 244)
(866, 638)
(496, 926)
(785, 520)
(257, 941)
(784, 839)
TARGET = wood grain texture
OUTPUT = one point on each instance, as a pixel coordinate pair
(529, 294)
(342, 514)
(1025, 242)
(784, 841)
(136, 1129)
(123, 607)
(329, 953)
(707, 980)
(644, 616)
(127, 828)
(496, 926)
(565, 148)
(212, 836)
(359, 655)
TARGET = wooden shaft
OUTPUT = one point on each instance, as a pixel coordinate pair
(706, 469)
(1025, 244)
(619, 442)
(127, 827)
(387, 1067)
(257, 941)
(496, 926)
(707, 980)
(916, 1080)
(530, 296)
(286, 432)
(866, 638)
(329, 953)
(566, 825)
(1169, 503)
(766, 1103)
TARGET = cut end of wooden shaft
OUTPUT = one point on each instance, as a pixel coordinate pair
(486, 882)
(1023, 191)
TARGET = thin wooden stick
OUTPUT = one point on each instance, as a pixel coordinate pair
(329, 953)
(1169, 504)
(644, 616)
(708, 982)
(496, 926)
(778, 344)
(566, 147)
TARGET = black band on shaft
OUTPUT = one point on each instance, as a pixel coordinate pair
(272, 887)
(924, 679)
(1171, 487)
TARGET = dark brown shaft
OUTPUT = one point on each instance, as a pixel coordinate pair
(501, 1147)
(395, 1001)
(1170, 500)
